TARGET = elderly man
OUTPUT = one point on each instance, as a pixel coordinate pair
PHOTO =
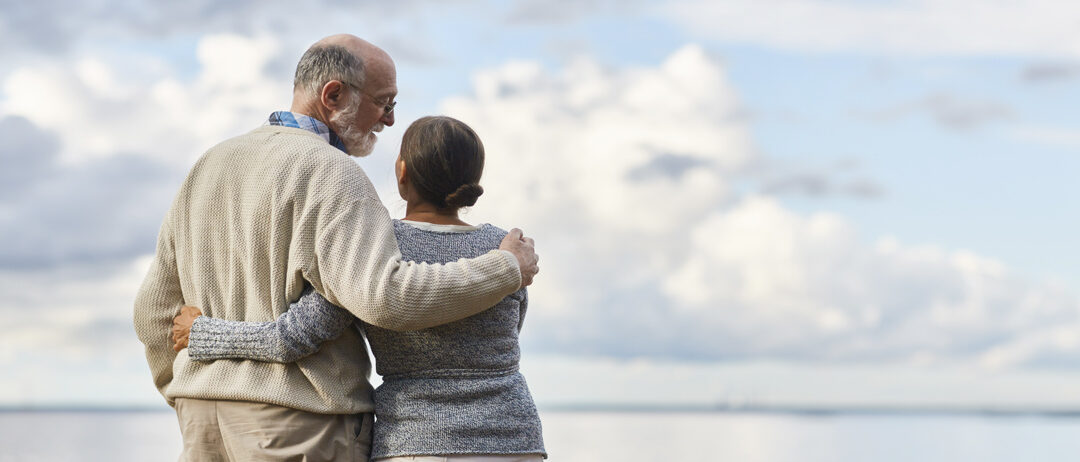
(263, 214)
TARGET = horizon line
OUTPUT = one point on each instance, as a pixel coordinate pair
(1071, 411)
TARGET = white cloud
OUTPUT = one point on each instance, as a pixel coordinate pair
(541, 12)
(99, 112)
(1045, 28)
(782, 283)
(623, 177)
(102, 149)
(70, 322)
(102, 210)
(610, 148)
(35, 28)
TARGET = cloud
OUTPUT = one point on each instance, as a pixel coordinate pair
(1052, 136)
(1051, 72)
(94, 158)
(776, 283)
(26, 154)
(820, 185)
(100, 210)
(839, 177)
(35, 27)
(72, 321)
(542, 12)
(950, 111)
(670, 166)
(624, 178)
(98, 111)
(617, 145)
(904, 27)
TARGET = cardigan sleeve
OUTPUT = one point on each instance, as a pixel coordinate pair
(359, 268)
(523, 305)
(295, 334)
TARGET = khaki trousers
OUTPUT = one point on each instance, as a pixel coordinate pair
(220, 431)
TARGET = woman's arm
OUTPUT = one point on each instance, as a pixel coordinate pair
(297, 333)
(523, 303)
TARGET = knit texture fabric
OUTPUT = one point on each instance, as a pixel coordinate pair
(299, 332)
(257, 216)
(454, 388)
(450, 389)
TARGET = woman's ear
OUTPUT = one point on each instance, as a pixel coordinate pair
(399, 171)
(402, 177)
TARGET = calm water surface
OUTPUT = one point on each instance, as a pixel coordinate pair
(599, 436)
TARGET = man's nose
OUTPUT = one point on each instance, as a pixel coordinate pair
(387, 119)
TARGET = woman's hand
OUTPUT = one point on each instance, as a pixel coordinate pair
(181, 326)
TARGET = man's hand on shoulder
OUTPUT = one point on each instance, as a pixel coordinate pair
(181, 328)
(524, 250)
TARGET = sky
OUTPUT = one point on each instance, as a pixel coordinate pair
(736, 203)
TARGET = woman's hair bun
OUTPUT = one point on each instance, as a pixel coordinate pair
(464, 196)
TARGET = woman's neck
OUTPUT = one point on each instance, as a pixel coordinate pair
(425, 212)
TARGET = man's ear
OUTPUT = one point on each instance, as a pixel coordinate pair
(334, 95)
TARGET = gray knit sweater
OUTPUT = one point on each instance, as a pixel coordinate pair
(450, 389)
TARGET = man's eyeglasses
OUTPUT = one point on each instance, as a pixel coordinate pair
(387, 107)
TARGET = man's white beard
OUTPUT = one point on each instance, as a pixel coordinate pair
(357, 143)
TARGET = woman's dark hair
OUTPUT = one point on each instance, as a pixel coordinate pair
(444, 160)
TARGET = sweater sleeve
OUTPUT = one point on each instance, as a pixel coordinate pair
(523, 306)
(360, 269)
(159, 300)
(297, 333)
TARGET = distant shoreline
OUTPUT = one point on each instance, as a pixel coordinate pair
(810, 411)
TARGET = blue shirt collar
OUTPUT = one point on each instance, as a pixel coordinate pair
(311, 124)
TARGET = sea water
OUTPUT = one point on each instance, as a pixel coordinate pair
(622, 436)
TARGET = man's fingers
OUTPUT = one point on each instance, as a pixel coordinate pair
(524, 250)
(528, 272)
(179, 343)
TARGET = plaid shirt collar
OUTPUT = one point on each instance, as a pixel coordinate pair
(311, 124)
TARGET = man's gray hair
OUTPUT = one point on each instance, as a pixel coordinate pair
(323, 63)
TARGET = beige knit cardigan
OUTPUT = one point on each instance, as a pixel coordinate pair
(262, 213)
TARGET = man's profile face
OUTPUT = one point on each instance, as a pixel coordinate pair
(359, 138)
(366, 112)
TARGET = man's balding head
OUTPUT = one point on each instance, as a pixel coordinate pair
(342, 57)
(333, 79)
